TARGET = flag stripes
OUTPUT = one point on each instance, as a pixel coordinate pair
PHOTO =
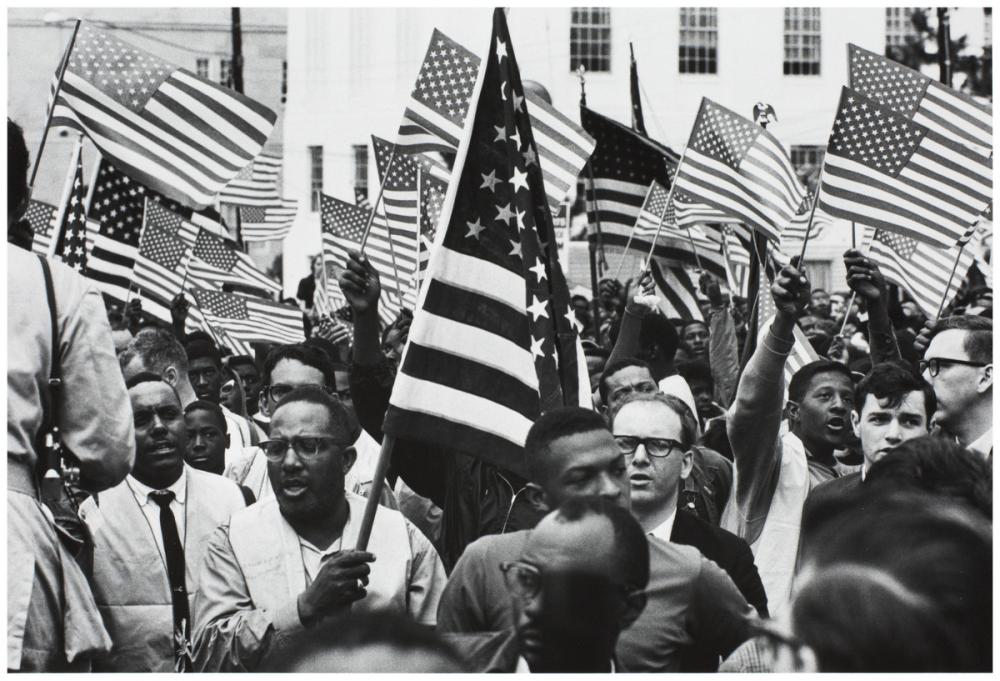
(268, 223)
(42, 217)
(678, 293)
(251, 320)
(259, 186)
(563, 148)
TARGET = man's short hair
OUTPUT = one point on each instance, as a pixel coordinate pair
(657, 330)
(157, 349)
(212, 408)
(200, 349)
(309, 355)
(17, 165)
(340, 418)
(689, 425)
(893, 382)
(245, 360)
(817, 290)
(935, 466)
(696, 370)
(631, 545)
(802, 379)
(150, 377)
(692, 322)
(614, 367)
(551, 426)
(978, 344)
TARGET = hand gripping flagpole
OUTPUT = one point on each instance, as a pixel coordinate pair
(55, 96)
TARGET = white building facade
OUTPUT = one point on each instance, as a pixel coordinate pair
(350, 73)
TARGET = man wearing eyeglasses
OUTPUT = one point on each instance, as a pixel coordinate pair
(958, 364)
(655, 434)
(289, 563)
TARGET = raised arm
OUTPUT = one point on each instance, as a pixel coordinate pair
(723, 350)
(865, 279)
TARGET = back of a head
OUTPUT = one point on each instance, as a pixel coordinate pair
(696, 371)
(979, 337)
(935, 466)
(657, 330)
(551, 426)
(17, 169)
(363, 642)
(157, 349)
(202, 349)
(631, 545)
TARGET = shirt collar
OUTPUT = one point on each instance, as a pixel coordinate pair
(983, 445)
(522, 666)
(666, 528)
(142, 492)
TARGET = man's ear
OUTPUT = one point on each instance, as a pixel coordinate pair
(262, 404)
(535, 497)
(350, 455)
(985, 379)
(791, 411)
(635, 603)
(856, 423)
(687, 464)
(171, 376)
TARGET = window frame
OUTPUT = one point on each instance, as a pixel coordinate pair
(799, 38)
(359, 153)
(203, 67)
(690, 25)
(315, 152)
(590, 39)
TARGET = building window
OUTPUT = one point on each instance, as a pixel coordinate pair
(361, 167)
(807, 161)
(802, 41)
(284, 82)
(315, 176)
(988, 28)
(590, 38)
(201, 67)
(899, 29)
(225, 72)
(698, 47)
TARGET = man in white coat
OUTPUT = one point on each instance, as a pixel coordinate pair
(149, 536)
(254, 596)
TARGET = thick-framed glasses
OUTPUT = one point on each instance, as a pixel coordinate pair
(522, 580)
(933, 365)
(279, 390)
(655, 446)
(306, 448)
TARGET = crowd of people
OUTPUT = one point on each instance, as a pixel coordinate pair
(703, 516)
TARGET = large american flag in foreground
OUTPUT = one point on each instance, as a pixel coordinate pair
(439, 105)
(919, 268)
(921, 99)
(885, 171)
(251, 320)
(172, 131)
(42, 218)
(802, 351)
(739, 168)
(492, 343)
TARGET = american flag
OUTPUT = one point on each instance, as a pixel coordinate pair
(439, 106)
(653, 212)
(792, 237)
(172, 131)
(921, 99)
(885, 171)
(214, 264)
(343, 228)
(42, 218)
(250, 320)
(160, 262)
(72, 240)
(740, 169)
(624, 164)
(678, 292)
(328, 298)
(687, 211)
(114, 216)
(361, 198)
(802, 350)
(492, 345)
(919, 268)
(432, 194)
(256, 184)
(268, 223)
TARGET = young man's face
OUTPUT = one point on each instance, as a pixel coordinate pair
(823, 415)
(626, 381)
(206, 378)
(881, 426)
(206, 441)
(957, 387)
(585, 464)
(695, 339)
(159, 434)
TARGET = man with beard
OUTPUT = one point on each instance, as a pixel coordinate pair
(149, 535)
(775, 472)
(254, 594)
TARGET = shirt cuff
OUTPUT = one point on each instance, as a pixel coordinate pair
(286, 618)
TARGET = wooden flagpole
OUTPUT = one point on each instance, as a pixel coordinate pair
(598, 236)
(812, 214)
(632, 233)
(670, 197)
(694, 250)
(374, 492)
(378, 199)
(592, 244)
(55, 95)
(947, 288)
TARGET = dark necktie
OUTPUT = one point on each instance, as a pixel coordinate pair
(173, 549)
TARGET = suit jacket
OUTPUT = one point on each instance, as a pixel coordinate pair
(726, 550)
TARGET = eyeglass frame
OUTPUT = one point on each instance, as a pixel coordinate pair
(644, 441)
(295, 443)
(933, 365)
(266, 390)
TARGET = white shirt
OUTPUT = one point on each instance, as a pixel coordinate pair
(313, 558)
(664, 529)
(984, 445)
(151, 510)
(523, 668)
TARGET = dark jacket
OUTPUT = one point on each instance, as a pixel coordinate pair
(726, 550)
(475, 497)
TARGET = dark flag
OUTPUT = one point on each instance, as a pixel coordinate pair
(638, 124)
(72, 243)
(493, 343)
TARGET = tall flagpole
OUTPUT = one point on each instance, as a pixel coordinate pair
(55, 96)
(378, 198)
(694, 249)
(947, 288)
(632, 233)
(670, 197)
(67, 193)
(592, 243)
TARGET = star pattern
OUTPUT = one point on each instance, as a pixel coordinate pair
(222, 304)
(163, 248)
(447, 77)
(904, 246)
(432, 193)
(214, 251)
(874, 135)
(41, 216)
(127, 75)
(117, 204)
(620, 156)
(343, 219)
(73, 239)
(723, 135)
(887, 82)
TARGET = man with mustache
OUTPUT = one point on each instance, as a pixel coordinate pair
(149, 535)
(288, 562)
(775, 471)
